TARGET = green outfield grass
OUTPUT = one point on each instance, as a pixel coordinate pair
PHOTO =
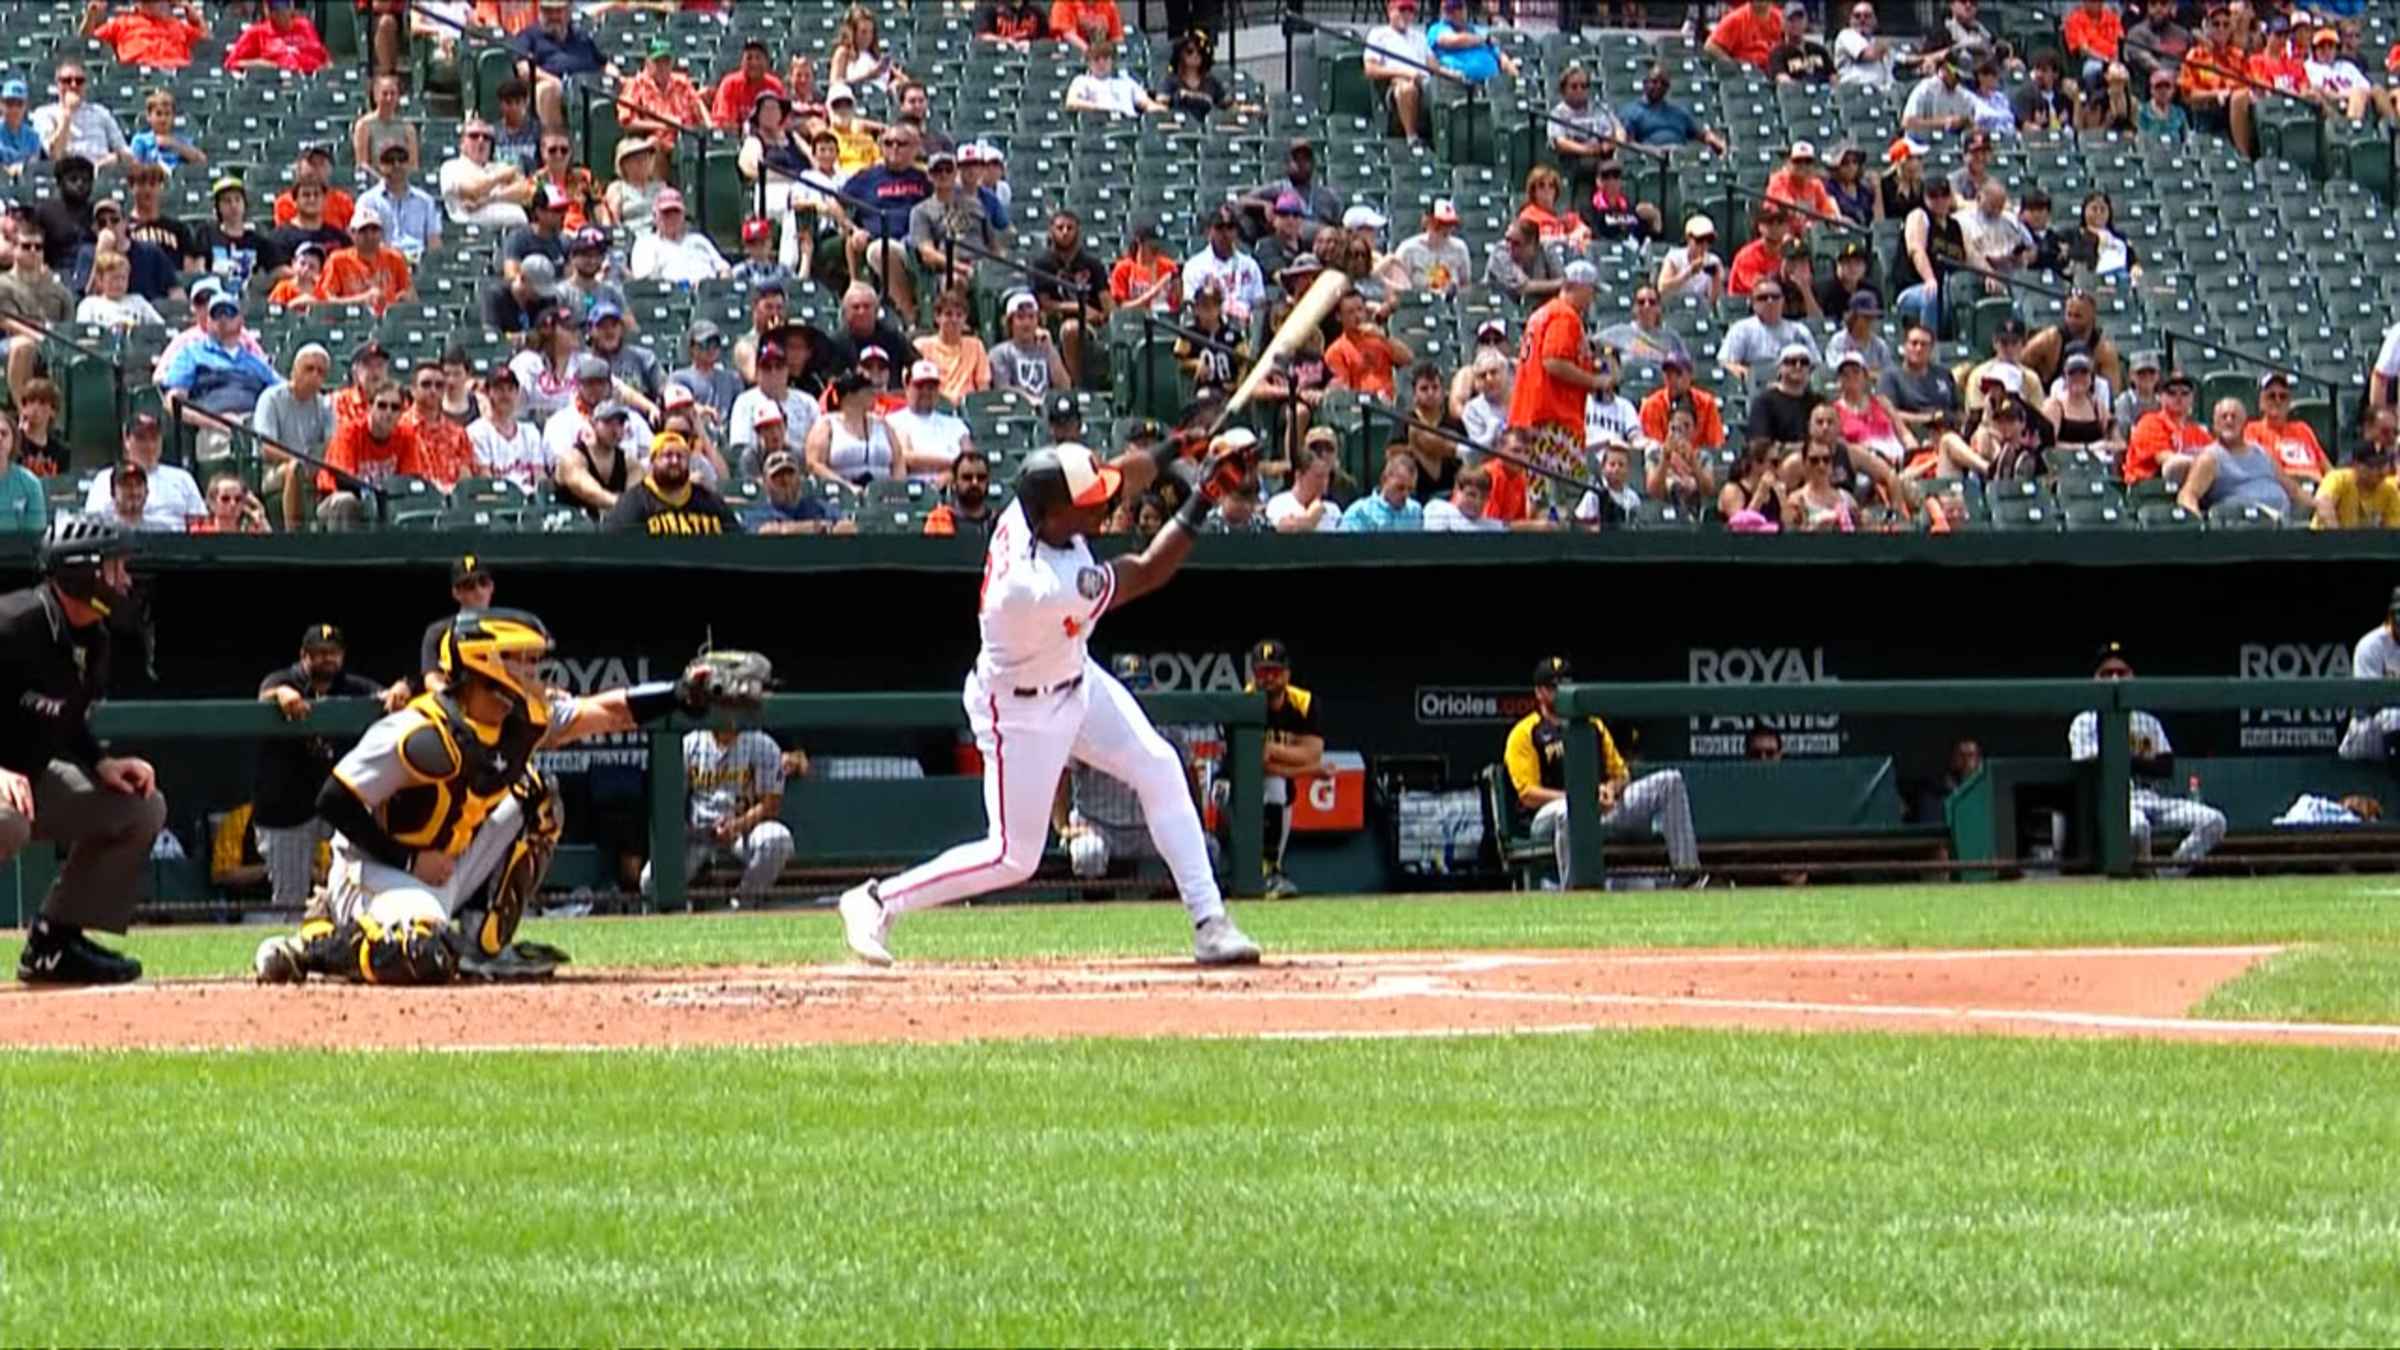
(1651, 1186)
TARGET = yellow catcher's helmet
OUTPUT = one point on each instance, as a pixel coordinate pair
(479, 644)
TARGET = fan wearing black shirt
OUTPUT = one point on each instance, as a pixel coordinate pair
(1780, 411)
(1074, 295)
(291, 769)
(309, 225)
(1801, 59)
(667, 502)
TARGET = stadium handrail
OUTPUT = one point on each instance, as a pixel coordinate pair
(952, 244)
(1295, 23)
(2169, 334)
(115, 361)
(240, 429)
(472, 41)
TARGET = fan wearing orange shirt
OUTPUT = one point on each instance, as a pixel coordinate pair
(2164, 441)
(367, 273)
(2211, 82)
(2094, 32)
(443, 451)
(374, 450)
(1801, 183)
(1749, 33)
(1071, 20)
(298, 290)
(1762, 257)
(1147, 277)
(1554, 379)
(1708, 420)
(2292, 442)
(1364, 356)
(154, 35)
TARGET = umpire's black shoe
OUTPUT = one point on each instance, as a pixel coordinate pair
(58, 954)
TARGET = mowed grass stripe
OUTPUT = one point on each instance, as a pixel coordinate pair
(2288, 909)
(1648, 1186)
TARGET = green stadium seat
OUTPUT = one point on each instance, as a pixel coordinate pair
(2165, 515)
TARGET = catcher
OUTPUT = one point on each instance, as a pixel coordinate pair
(442, 797)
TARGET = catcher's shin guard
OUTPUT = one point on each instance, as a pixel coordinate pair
(489, 930)
(364, 950)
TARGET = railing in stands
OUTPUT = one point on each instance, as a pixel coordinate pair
(239, 431)
(473, 41)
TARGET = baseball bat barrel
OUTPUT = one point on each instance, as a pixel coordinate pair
(1314, 304)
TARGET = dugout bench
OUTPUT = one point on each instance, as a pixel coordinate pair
(1839, 815)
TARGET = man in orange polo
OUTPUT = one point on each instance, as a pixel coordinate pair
(1554, 379)
(2291, 441)
(367, 273)
(1749, 33)
(2165, 441)
(154, 34)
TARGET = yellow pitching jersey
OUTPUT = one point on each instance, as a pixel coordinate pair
(1537, 754)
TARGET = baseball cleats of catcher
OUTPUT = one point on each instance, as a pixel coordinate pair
(278, 961)
(865, 924)
(1216, 942)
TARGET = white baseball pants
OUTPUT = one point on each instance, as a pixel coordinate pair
(1655, 803)
(1026, 744)
(2203, 826)
(395, 899)
(762, 852)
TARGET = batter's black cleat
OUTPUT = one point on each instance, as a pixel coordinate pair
(56, 953)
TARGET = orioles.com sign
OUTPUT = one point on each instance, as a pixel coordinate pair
(1452, 705)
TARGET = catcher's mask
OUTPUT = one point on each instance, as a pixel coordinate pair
(1059, 477)
(502, 649)
(75, 552)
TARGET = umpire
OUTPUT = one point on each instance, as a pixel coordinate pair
(103, 810)
(291, 769)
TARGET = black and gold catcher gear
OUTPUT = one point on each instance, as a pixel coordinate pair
(482, 645)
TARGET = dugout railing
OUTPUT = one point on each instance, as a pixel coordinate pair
(2115, 701)
(133, 725)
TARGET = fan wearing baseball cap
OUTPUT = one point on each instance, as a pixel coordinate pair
(759, 265)
(931, 429)
(1437, 259)
(675, 252)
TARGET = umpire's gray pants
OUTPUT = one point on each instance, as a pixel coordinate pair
(2203, 826)
(1654, 803)
(105, 837)
(291, 854)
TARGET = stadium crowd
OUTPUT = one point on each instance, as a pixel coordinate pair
(1850, 389)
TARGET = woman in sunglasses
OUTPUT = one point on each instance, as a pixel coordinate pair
(232, 509)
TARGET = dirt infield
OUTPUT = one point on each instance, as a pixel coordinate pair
(2096, 992)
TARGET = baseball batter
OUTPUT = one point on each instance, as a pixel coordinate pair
(2153, 767)
(1037, 701)
(735, 781)
(2376, 735)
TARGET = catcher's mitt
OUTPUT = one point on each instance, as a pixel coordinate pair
(725, 679)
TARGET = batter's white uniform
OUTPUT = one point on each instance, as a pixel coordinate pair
(2376, 657)
(1036, 701)
(2203, 825)
(724, 781)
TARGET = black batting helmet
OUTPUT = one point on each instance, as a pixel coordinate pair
(73, 551)
(1063, 475)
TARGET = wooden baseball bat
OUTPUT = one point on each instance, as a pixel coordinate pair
(1317, 302)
